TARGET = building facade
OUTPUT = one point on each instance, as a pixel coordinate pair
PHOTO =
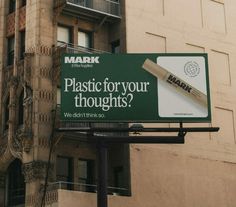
(33, 36)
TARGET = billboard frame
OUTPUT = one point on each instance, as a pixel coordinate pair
(206, 119)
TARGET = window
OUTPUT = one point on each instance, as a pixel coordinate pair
(114, 7)
(118, 176)
(10, 50)
(115, 46)
(86, 169)
(15, 185)
(6, 113)
(80, 2)
(22, 44)
(65, 171)
(21, 109)
(118, 179)
(23, 2)
(84, 39)
(12, 6)
(63, 35)
(119, 170)
(84, 3)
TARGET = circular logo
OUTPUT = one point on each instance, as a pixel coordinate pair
(191, 69)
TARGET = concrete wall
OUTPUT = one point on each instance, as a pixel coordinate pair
(202, 171)
(168, 179)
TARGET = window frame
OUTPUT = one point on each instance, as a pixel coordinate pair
(70, 30)
(90, 36)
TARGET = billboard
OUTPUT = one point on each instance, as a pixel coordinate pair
(135, 88)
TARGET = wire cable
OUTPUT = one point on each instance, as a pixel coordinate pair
(49, 158)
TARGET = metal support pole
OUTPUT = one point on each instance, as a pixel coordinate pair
(181, 132)
(102, 175)
(102, 142)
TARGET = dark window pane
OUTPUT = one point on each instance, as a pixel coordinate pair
(15, 185)
(65, 171)
(119, 170)
(23, 2)
(6, 114)
(115, 46)
(21, 109)
(10, 50)
(12, 6)
(22, 44)
(86, 169)
(118, 177)
(63, 166)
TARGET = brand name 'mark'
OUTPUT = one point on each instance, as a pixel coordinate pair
(84, 59)
(174, 80)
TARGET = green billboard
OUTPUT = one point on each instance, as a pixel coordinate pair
(135, 88)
